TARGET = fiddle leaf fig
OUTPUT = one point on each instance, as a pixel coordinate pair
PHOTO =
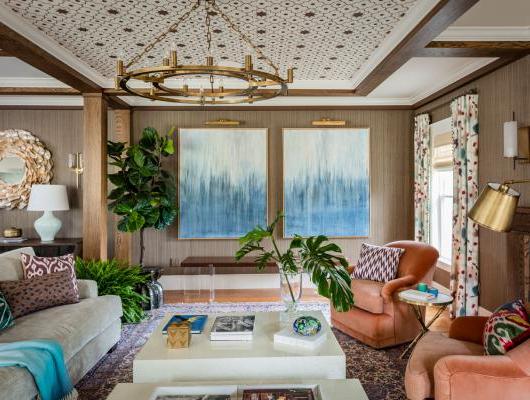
(144, 195)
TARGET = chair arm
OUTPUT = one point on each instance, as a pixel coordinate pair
(469, 329)
(388, 290)
(87, 288)
(479, 377)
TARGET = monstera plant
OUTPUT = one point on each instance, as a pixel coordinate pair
(145, 194)
(315, 255)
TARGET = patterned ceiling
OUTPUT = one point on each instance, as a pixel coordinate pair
(323, 39)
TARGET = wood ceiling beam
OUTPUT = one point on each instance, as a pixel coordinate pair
(475, 49)
(116, 103)
(477, 44)
(432, 25)
(4, 53)
(18, 46)
(501, 62)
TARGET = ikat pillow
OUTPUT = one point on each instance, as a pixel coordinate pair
(6, 318)
(506, 328)
(38, 266)
(377, 263)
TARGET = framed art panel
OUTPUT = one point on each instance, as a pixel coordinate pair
(222, 182)
(326, 182)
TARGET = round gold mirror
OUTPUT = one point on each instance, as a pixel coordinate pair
(24, 161)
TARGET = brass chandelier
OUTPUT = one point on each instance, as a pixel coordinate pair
(257, 84)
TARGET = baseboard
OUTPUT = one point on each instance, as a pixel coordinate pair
(481, 310)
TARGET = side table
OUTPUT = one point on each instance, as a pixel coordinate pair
(440, 302)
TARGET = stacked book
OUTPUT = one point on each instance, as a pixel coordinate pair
(197, 322)
(233, 328)
(6, 240)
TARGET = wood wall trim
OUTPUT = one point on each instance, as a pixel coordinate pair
(501, 62)
(122, 240)
(38, 91)
(432, 25)
(18, 46)
(37, 107)
(270, 108)
(4, 53)
(95, 175)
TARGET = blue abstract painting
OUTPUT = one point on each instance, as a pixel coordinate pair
(326, 182)
(222, 182)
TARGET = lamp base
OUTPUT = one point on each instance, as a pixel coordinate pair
(47, 226)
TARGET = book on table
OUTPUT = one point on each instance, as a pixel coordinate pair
(197, 322)
(413, 294)
(231, 327)
(289, 337)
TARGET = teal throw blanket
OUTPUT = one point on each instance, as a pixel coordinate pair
(45, 361)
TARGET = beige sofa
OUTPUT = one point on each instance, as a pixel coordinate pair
(86, 330)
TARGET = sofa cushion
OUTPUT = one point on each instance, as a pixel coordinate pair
(419, 381)
(368, 295)
(34, 266)
(506, 328)
(378, 263)
(72, 325)
(6, 318)
(10, 264)
(29, 295)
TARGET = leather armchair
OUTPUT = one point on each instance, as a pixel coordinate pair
(454, 367)
(379, 319)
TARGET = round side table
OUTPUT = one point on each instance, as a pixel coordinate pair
(440, 302)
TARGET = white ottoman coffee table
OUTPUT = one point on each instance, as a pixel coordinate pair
(260, 358)
(341, 389)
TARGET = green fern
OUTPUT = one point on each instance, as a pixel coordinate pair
(116, 278)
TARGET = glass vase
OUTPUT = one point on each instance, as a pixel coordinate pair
(290, 291)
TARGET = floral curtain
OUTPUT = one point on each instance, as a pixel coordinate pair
(464, 267)
(422, 177)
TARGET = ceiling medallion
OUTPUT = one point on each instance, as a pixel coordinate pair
(257, 84)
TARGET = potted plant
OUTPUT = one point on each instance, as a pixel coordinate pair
(116, 278)
(145, 194)
(321, 259)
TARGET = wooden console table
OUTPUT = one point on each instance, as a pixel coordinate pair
(59, 247)
(521, 226)
(227, 265)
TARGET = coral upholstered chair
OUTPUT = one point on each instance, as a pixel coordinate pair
(454, 367)
(378, 318)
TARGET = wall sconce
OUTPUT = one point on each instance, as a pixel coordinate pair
(223, 122)
(328, 122)
(516, 142)
(75, 163)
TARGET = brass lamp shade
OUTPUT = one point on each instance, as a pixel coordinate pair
(495, 207)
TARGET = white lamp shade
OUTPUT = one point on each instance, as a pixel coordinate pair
(510, 139)
(48, 198)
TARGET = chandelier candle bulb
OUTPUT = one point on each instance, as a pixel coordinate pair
(120, 70)
(290, 75)
(173, 57)
(209, 60)
(248, 62)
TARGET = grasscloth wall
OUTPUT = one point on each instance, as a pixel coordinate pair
(62, 133)
(500, 93)
(390, 166)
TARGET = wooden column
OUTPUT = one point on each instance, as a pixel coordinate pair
(95, 177)
(122, 133)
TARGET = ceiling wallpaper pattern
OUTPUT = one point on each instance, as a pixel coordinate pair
(323, 39)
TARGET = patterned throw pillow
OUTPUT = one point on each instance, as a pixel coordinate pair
(30, 295)
(6, 318)
(377, 263)
(38, 266)
(506, 328)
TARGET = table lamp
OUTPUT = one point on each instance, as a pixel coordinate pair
(48, 198)
(496, 206)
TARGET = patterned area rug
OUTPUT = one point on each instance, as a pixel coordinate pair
(381, 372)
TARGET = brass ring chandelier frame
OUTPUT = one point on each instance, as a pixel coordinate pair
(260, 85)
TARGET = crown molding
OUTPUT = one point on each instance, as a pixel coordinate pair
(31, 82)
(485, 33)
(24, 101)
(19, 25)
(400, 31)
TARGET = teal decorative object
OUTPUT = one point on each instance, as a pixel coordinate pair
(6, 318)
(307, 326)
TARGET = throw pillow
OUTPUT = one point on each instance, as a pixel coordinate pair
(506, 328)
(41, 292)
(377, 263)
(6, 318)
(38, 266)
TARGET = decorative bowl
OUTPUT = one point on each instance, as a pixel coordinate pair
(12, 232)
(307, 325)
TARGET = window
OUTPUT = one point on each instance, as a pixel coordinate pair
(442, 189)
